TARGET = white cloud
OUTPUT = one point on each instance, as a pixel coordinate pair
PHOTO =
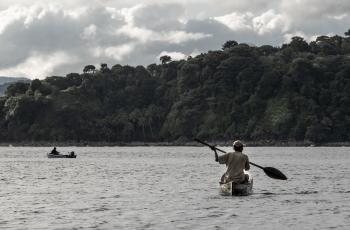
(141, 34)
(128, 13)
(270, 21)
(75, 13)
(194, 53)
(67, 4)
(236, 21)
(338, 17)
(172, 37)
(115, 52)
(313, 9)
(267, 22)
(10, 15)
(89, 32)
(174, 55)
(153, 23)
(157, 17)
(38, 65)
(178, 37)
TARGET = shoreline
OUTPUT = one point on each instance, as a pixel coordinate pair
(175, 143)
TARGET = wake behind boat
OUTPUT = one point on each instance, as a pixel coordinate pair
(233, 189)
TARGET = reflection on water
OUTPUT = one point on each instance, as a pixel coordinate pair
(170, 188)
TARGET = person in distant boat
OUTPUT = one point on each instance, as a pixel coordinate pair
(54, 151)
(235, 162)
(72, 154)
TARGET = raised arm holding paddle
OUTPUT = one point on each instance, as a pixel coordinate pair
(269, 171)
(235, 182)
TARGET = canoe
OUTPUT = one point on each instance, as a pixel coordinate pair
(233, 189)
(49, 155)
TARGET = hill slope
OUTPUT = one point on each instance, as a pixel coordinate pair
(6, 81)
(298, 92)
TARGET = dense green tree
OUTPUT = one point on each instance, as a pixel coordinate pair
(267, 50)
(17, 88)
(89, 69)
(299, 44)
(347, 33)
(229, 44)
(165, 59)
(104, 68)
(297, 92)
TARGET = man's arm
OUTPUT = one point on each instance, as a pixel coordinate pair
(222, 159)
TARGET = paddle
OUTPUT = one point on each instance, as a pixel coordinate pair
(269, 171)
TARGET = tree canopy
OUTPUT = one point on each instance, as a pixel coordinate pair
(297, 92)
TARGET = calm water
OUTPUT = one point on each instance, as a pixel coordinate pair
(170, 188)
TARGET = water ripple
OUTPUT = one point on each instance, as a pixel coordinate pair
(170, 188)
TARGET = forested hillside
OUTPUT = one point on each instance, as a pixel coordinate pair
(6, 81)
(297, 92)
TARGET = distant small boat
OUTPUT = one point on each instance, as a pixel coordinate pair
(50, 155)
(233, 189)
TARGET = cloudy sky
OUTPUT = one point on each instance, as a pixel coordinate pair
(40, 38)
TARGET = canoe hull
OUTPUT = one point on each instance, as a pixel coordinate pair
(232, 189)
(49, 155)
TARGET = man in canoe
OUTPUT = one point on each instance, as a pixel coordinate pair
(235, 162)
(54, 151)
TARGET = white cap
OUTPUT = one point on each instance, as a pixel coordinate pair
(237, 143)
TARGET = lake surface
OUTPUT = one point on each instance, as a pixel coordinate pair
(171, 188)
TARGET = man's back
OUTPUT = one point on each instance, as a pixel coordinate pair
(54, 151)
(236, 162)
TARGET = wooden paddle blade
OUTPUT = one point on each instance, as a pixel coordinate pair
(274, 173)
